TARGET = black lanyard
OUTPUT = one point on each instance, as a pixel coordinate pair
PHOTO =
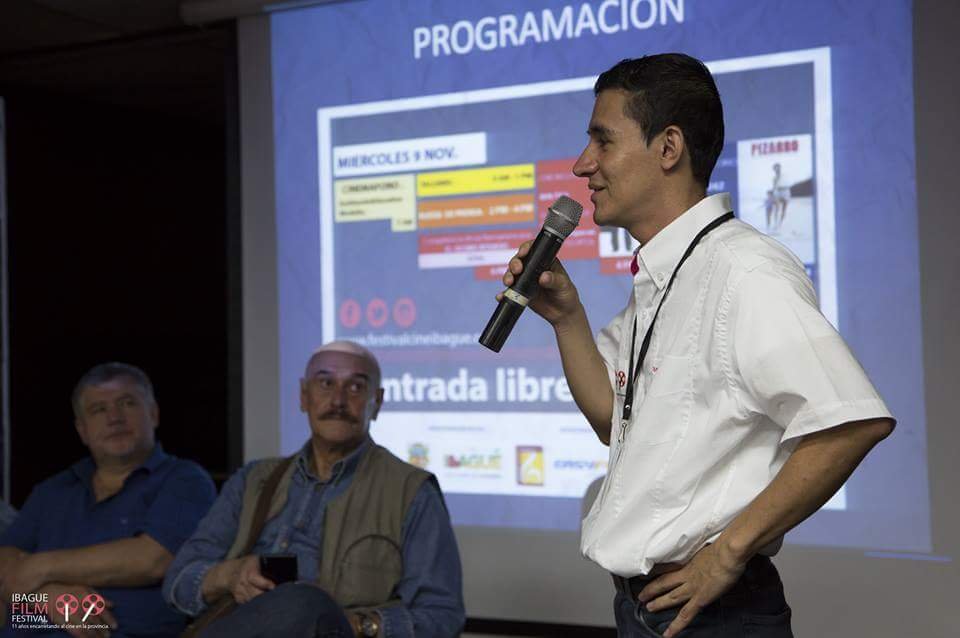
(635, 372)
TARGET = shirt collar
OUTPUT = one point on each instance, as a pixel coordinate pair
(660, 256)
(84, 468)
(342, 469)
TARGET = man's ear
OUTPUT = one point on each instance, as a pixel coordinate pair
(155, 414)
(378, 403)
(304, 398)
(672, 147)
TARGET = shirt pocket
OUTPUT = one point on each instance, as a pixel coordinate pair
(665, 408)
(671, 375)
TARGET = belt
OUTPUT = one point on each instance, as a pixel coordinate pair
(631, 586)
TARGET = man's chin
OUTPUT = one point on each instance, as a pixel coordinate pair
(120, 449)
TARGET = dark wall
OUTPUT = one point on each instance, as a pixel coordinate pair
(118, 251)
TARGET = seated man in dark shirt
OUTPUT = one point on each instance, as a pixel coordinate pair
(376, 555)
(92, 543)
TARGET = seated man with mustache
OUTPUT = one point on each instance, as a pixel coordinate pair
(375, 551)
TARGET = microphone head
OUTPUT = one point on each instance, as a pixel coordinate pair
(563, 216)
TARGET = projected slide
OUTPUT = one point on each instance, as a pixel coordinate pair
(411, 169)
(449, 186)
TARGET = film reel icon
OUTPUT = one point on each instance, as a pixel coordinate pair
(67, 604)
(92, 604)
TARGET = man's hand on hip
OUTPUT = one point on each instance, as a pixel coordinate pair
(708, 575)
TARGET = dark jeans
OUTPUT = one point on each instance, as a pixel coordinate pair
(298, 610)
(754, 607)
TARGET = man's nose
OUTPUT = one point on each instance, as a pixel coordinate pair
(115, 414)
(586, 164)
(339, 396)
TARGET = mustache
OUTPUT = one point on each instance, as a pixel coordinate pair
(340, 415)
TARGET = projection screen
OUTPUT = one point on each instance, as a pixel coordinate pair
(396, 153)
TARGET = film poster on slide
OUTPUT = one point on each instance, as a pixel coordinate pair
(776, 188)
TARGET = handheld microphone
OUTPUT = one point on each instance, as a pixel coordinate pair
(562, 218)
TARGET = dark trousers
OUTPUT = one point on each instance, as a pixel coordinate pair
(754, 607)
(298, 610)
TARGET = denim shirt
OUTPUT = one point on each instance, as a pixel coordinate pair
(430, 589)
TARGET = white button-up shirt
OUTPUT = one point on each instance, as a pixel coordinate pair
(740, 366)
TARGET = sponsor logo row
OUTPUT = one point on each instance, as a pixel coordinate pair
(530, 461)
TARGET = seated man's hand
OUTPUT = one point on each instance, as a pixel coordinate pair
(55, 590)
(10, 557)
(242, 578)
(24, 575)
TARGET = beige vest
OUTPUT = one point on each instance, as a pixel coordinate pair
(361, 560)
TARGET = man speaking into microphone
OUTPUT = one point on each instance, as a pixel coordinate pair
(732, 408)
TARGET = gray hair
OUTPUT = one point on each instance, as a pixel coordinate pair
(105, 372)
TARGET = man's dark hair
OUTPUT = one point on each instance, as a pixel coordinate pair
(105, 372)
(672, 88)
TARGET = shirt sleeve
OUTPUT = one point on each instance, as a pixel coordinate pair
(431, 589)
(207, 546)
(23, 531)
(7, 516)
(791, 364)
(183, 499)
